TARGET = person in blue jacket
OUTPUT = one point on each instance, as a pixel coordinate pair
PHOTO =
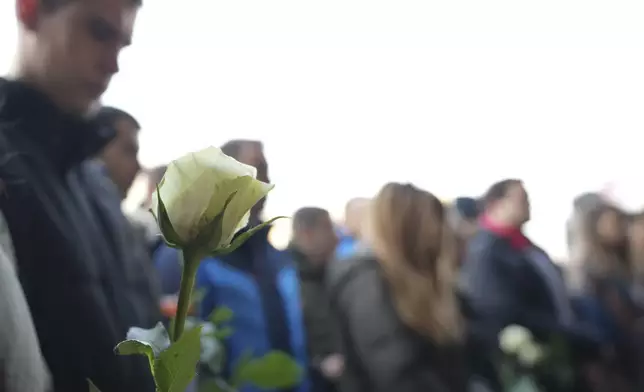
(258, 283)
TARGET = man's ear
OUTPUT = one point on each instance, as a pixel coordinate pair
(27, 12)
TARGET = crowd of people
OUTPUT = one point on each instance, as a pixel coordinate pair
(408, 294)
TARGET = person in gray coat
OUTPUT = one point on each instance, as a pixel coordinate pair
(22, 367)
(395, 302)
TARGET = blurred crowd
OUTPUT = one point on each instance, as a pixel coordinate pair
(408, 294)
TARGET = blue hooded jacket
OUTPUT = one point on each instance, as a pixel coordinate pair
(347, 245)
(260, 285)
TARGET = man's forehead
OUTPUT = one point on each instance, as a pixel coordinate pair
(118, 14)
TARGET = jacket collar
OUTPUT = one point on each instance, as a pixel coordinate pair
(66, 139)
(514, 235)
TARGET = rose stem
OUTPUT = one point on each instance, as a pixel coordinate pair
(190, 265)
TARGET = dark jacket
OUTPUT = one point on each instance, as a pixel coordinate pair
(83, 286)
(137, 246)
(319, 322)
(381, 353)
(500, 286)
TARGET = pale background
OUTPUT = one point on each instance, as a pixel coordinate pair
(349, 94)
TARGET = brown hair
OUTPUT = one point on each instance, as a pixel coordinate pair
(308, 218)
(635, 252)
(599, 260)
(416, 249)
(498, 191)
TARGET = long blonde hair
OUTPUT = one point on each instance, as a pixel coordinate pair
(417, 251)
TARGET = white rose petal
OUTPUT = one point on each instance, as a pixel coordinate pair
(529, 354)
(195, 190)
(513, 337)
(237, 214)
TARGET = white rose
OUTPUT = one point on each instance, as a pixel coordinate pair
(529, 354)
(205, 198)
(513, 337)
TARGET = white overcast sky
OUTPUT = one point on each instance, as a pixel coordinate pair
(349, 94)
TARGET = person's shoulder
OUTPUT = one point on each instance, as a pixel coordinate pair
(341, 273)
(482, 243)
(484, 237)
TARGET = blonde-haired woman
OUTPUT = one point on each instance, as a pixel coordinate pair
(398, 313)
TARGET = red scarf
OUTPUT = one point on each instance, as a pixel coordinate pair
(513, 234)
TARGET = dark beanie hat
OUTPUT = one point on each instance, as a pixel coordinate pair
(467, 207)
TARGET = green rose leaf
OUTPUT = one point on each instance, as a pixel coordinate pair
(221, 315)
(275, 370)
(243, 237)
(148, 342)
(92, 387)
(223, 333)
(175, 367)
(133, 347)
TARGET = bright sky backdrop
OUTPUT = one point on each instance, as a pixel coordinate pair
(348, 94)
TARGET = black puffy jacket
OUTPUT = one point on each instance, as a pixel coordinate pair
(83, 283)
(381, 353)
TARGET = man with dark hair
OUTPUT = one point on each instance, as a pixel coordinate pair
(120, 157)
(82, 287)
(312, 247)
(258, 282)
(499, 191)
(233, 147)
(307, 218)
(506, 279)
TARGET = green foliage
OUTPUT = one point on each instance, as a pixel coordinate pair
(275, 370)
(133, 347)
(221, 315)
(173, 366)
